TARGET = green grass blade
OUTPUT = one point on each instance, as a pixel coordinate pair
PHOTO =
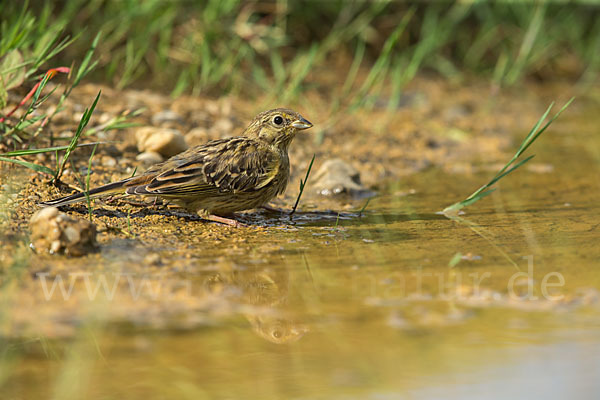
(85, 118)
(511, 169)
(473, 199)
(535, 136)
(362, 210)
(85, 66)
(510, 166)
(28, 152)
(302, 184)
(30, 165)
(532, 131)
(87, 183)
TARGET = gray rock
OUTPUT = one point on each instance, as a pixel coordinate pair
(56, 233)
(336, 177)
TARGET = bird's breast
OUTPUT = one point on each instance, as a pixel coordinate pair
(283, 175)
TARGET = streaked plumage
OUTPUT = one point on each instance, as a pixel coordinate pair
(221, 176)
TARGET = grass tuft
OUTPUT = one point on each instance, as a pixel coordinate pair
(302, 184)
(512, 165)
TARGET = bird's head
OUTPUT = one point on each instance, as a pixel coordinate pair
(277, 127)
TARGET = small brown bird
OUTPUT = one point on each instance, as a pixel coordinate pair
(222, 176)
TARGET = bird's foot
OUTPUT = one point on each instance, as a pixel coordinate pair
(226, 221)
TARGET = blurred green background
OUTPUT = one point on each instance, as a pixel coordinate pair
(287, 47)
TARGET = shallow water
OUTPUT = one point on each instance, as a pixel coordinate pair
(328, 306)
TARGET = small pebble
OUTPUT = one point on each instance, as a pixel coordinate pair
(212, 107)
(57, 233)
(166, 142)
(108, 162)
(149, 158)
(104, 118)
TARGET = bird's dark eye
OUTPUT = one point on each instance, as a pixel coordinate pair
(278, 120)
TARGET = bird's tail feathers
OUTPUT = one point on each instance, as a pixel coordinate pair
(111, 188)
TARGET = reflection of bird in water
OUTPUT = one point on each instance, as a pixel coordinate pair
(267, 289)
(270, 288)
(276, 329)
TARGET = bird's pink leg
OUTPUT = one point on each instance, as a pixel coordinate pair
(223, 220)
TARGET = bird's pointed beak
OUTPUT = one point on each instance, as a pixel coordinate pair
(301, 124)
